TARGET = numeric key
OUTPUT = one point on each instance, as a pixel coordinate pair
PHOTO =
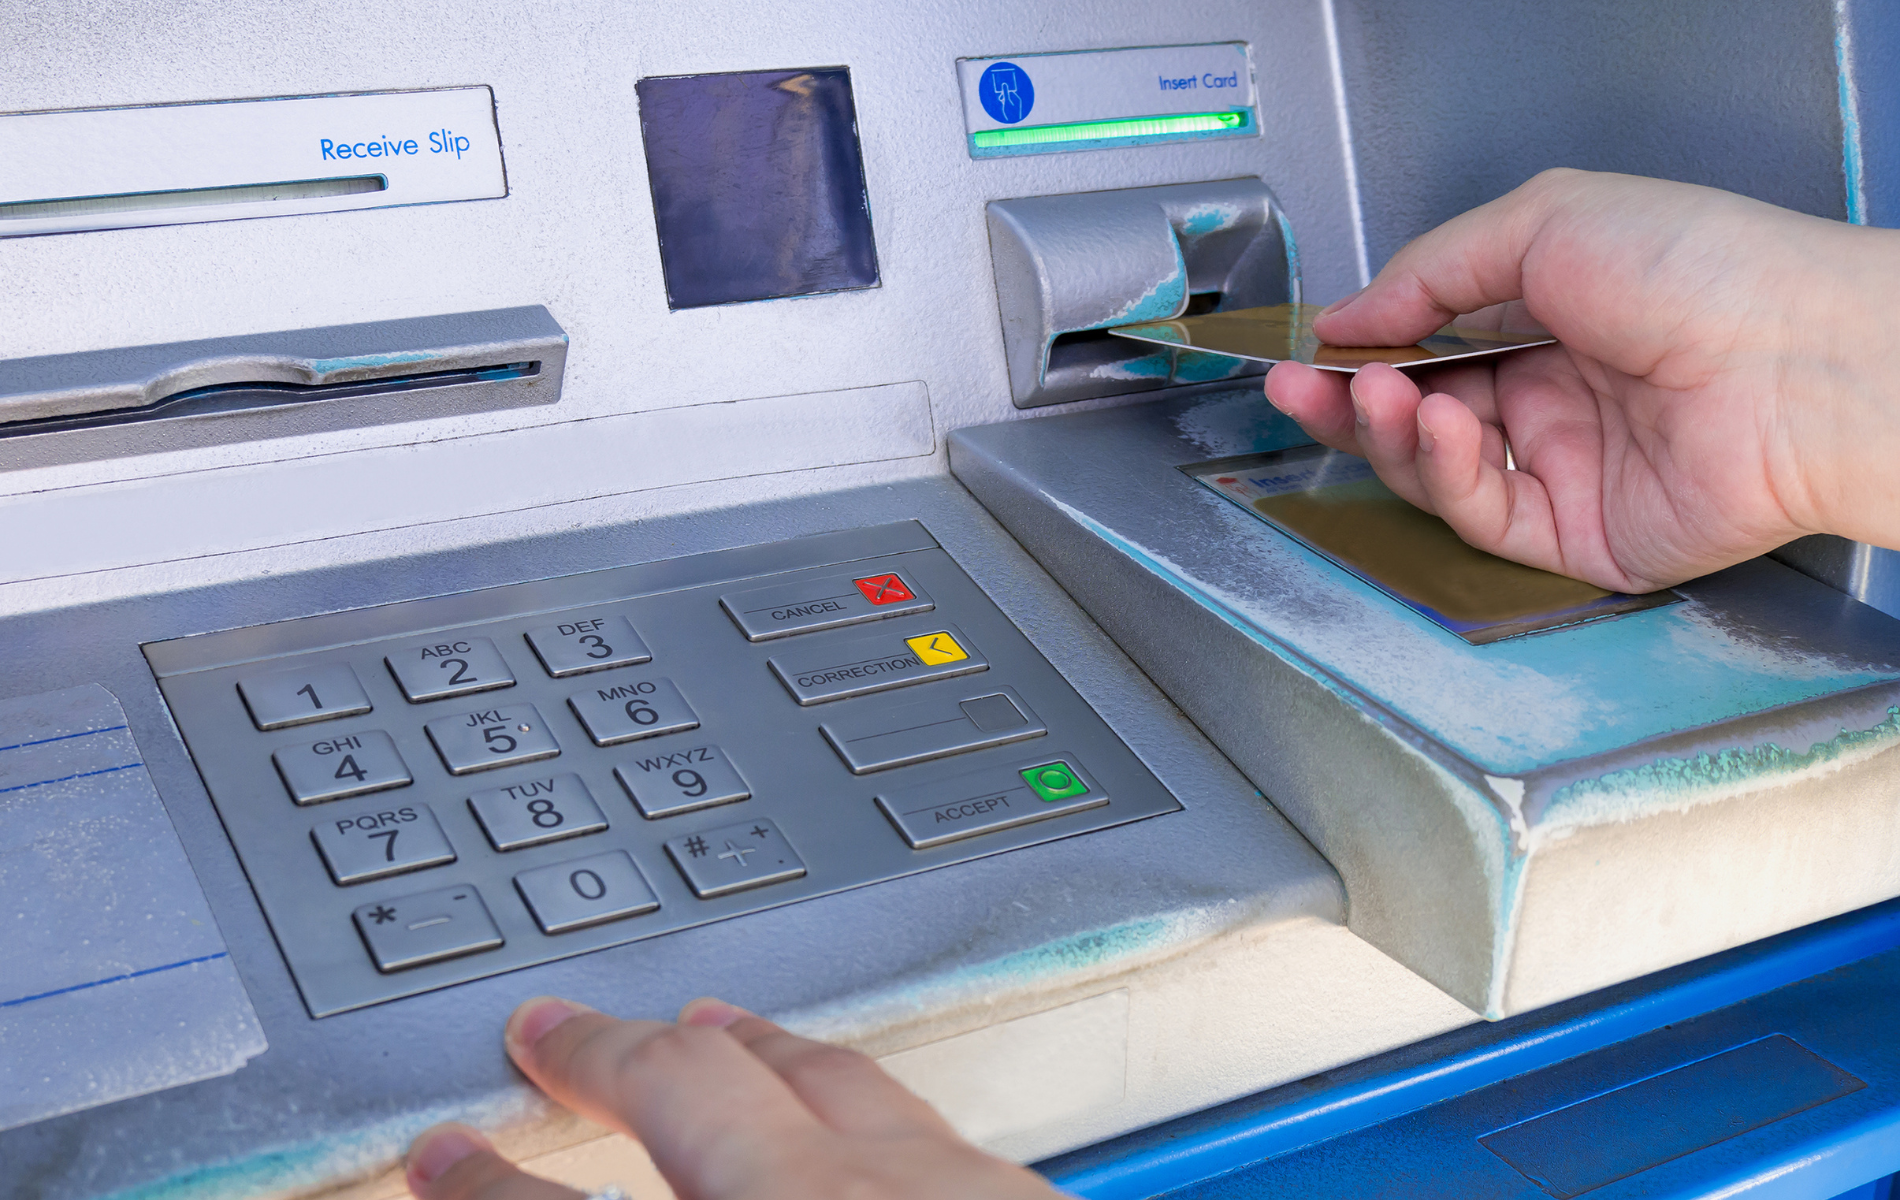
(371, 845)
(287, 698)
(537, 810)
(338, 767)
(631, 710)
(490, 738)
(665, 783)
(586, 891)
(449, 666)
(585, 644)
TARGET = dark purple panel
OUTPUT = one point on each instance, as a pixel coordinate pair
(758, 186)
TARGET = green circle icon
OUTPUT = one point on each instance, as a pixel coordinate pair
(1054, 781)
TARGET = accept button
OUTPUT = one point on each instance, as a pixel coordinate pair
(1054, 781)
(996, 798)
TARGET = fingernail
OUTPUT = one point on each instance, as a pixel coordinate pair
(1275, 403)
(708, 1011)
(1340, 303)
(532, 1021)
(439, 1149)
(1426, 438)
(1358, 409)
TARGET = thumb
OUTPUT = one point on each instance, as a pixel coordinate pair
(1470, 262)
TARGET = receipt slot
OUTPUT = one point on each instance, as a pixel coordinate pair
(1068, 268)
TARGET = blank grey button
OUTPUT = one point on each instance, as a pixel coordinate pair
(341, 766)
(787, 608)
(993, 714)
(449, 667)
(837, 667)
(986, 802)
(733, 858)
(537, 810)
(490, 738)
(587, 644)
(638, 708)
(879, 736)
(664, 784)
(586, 891)
(298, 697)
(370, 845)
(408, 931)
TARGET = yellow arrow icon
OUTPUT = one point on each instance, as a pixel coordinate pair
(934, 648)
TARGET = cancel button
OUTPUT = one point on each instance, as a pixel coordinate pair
(961, 807)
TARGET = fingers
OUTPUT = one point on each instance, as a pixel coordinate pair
(1385, 406)
(845, 1089)
(453, 1162)
(713, 1116)
(1504, 512)
(1318, 400)
(1470, 262)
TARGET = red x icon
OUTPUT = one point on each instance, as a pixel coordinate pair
(884, 589)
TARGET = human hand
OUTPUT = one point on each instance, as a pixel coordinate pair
(730, 1106)
(1720, 388)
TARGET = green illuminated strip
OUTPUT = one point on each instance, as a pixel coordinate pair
(1093, 131)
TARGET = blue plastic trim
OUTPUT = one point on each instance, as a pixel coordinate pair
(1235, 1135)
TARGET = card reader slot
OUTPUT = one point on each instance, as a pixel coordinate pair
(240, 193)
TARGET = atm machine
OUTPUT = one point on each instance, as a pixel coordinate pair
(652, 508)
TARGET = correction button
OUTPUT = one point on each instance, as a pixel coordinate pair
(447, 667)
(319, 693)
(337, 767)
(841, 666)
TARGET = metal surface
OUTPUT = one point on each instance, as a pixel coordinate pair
(1517, 822)
(529, 734)
(1070, 267)
(63, 408)
(1409, 1122)
(1740, 96)
(1870, 574)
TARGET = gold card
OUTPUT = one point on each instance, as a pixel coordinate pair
(1333, 504)
(1279, 332)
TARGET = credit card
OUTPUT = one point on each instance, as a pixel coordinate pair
(1279, 332)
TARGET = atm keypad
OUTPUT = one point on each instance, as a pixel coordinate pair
(633, 766)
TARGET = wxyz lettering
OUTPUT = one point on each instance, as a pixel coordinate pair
(667, 762)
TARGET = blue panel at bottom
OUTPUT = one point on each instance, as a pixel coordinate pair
(1735, 1075)
(1582, 1146)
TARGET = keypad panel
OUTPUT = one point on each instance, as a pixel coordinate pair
(638, 761)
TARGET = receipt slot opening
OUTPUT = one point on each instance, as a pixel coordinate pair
(1068, 268)
(100, 404)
